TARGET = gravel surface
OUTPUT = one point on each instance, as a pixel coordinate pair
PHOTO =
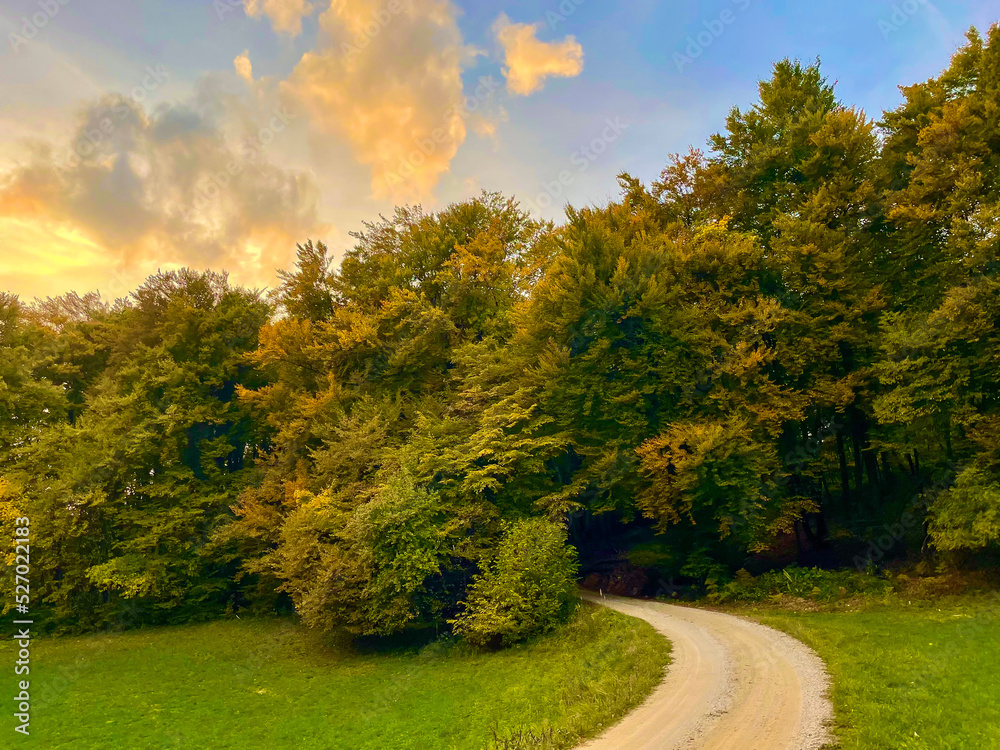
(732, 684)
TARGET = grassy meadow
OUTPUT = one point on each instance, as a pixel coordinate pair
(249, 684)
(908, 674)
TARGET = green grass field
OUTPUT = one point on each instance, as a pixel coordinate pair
(273, 684)
(909, 675)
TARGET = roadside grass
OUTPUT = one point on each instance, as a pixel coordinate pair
(250, 684)
(907, 674)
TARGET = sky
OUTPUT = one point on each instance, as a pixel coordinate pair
(217, 134)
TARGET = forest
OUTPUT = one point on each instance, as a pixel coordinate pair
(786, 349)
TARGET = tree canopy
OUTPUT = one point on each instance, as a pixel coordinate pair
(789, 336)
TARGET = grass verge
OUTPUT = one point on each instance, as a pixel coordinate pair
(272, 683)
(907, 675)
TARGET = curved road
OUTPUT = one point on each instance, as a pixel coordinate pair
(732, 685)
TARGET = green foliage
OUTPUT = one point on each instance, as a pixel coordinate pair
(308, 293)
(656, 555)
(125, 496)
(369, 566)
(527, 588)
(812, 584)
(768, 150)
(708, 472)
(784, 341)
(28, 403)
(967, 516)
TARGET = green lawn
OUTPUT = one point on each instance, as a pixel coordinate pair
(909, 675)
(273, 684)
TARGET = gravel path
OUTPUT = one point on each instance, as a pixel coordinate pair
(732, 684)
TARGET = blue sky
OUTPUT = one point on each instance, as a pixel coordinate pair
(568, 76)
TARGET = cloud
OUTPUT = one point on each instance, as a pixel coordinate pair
(387, 78)
(530, 61)
(286, 15)
(244, 69)
(142, 190)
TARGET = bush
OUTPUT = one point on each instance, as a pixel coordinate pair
(526, 589)
(367, 568)
(814, 584)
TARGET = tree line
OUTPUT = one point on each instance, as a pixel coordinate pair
(788, 336)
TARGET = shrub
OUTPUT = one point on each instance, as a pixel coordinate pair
(814, 584)
(526, 589)
(366, 568)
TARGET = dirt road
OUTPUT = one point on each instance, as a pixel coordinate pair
(732, 685)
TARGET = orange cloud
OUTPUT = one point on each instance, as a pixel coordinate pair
(244, 68)
(530, 61)
(286, 15)
(387, 77)
(137, 191)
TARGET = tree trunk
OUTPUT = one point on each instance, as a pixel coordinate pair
(845, 483)
(874, 481)
(857, 442)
